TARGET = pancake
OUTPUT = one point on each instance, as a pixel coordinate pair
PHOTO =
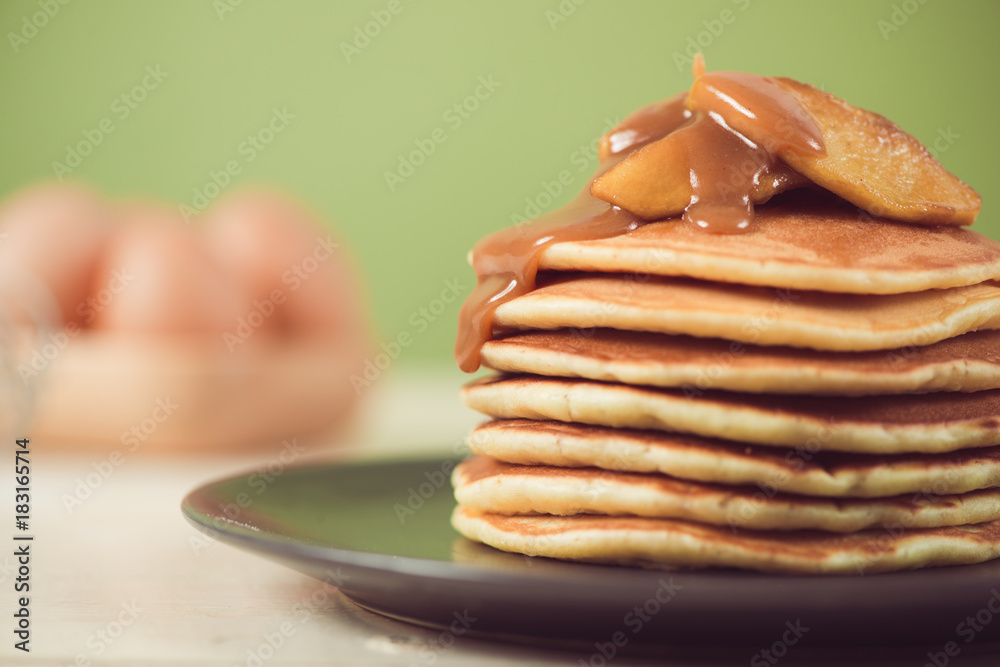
(967, 363)
(492, 486)
(758, 315)
(939, 422)
(673, 543)
(821, 473)
(801, 241)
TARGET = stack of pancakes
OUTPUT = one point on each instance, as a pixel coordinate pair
(820, 394)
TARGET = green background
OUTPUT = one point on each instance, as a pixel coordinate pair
(930, 66)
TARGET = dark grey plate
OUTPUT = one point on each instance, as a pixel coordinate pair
(381, 532)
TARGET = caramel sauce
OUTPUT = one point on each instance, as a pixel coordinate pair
(758, 107)
(648, 124)
(720, 195)
(724, 166)
(506, 263)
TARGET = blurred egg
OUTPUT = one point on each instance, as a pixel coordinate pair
(155, 277)
(52, 234)
(290, 262)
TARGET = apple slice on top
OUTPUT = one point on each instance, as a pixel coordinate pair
(878, 167)
(861, 156)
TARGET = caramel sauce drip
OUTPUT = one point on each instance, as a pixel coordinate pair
(506, 262)
(720, 194)
(724, 165)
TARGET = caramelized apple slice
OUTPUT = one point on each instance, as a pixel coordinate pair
(878, 167)
(654, 182)
(776, 180)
